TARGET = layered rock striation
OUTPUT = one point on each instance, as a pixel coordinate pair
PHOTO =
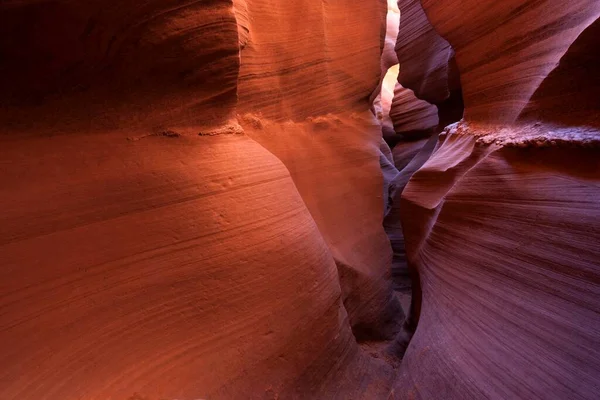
(192, 201)
(500, 223)
(194, 197)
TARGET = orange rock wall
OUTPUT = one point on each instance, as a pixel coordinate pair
(152, 247)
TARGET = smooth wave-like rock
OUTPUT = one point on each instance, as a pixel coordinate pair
(336, 180)
(308, 58)
(428, 76)
(195, 198)
(423, 54)
(392, 27)
(177, 267)
(383, 95)
(80, 66)
(410, 114)
(408, 158)
(150, 248)
(500, 224)
(504, 239)
(296, 101)
(383, 104)
(505, 50)
(389, 171)
(569, 94)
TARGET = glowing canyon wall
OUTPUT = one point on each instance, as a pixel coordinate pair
(192, 200)
(501, 222)
(196, 200)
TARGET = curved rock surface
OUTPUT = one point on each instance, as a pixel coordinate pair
(77, 66)
(150, 248)
(392, 27)
(324, 57)
(428, 75)
(332, 154)
(383, 104)
(384, 94)
(423, 54)
(500, 223)
(408, 158)
(569, 94)
(341, 184)
(505, 50)
(193, 196)
(162, 281)
(411, 115)
(505, 243)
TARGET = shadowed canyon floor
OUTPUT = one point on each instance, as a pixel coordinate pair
(269, 199)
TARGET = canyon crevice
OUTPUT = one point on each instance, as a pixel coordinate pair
(261, 199)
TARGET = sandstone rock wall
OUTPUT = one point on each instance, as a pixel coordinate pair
(307, 103)
(81, 66)
(168, 267)
(504, 240)
(505, 50)
(411, 115)
(194, 194)
(152, 247)
(501, 222)
(423, 54)
(305, 58)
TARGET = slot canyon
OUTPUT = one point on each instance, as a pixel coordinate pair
(299, 199)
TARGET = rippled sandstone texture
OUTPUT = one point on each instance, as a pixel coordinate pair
(309, 105)
(193, 196)
(191, 200)
(506, 50)
(429, 88)
(501, 222)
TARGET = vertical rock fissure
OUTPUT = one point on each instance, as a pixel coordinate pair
(411, 123)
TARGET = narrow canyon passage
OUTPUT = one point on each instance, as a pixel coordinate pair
(269, 199)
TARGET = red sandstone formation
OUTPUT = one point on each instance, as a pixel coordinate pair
(72, 66)
(154, 248)
(194, 198)
(500, 223)
(336, 181)
(428, 69)
(170, 267)
(570, 93)
(320, 89)
(296, 61)
(408, 157)
(423, 54)
(505, 50)
(389, 56)
(411, 115)
(511, 311)
(425, 71)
